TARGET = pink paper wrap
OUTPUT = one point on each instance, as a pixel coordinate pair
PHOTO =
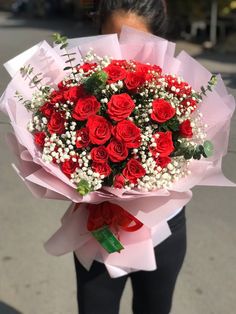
(152, 208)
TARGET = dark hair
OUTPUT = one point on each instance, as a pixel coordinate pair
(153, 12)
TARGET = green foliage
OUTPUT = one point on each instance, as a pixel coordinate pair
(210, 85)
(170, 125)
(60, 40)
(67, 68)
(35, 80)
(195, 152)
(208, 148)
(96, 82)
(63, 42)
(27, 103)
(83, 187)
(26, 70)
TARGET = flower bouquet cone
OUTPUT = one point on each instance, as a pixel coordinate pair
(124, 130)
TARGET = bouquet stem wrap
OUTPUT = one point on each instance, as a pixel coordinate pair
(105, 217)
(139, 245)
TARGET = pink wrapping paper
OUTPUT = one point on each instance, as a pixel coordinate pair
(152, 208)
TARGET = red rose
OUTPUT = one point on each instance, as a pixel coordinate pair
(82, 138)
(185, 129)
(120, 107)
(121, 63)
(87, 67)
(119, 181)
(142, 67)
(74, 93)
(56, 123)
(99, 154)
(57, 97)
(133, 171)
(187, 104)
(164, 144)
(47, 109)
(85, 107)
(156, 68)
(129, 133)
(162, 111)
(147, 70)
(61, 86)
(163, 162)
(180, 88)
(101, 168)
(117, 150)
(99, 130)
(39, 138)
(134, 80)
(68, 167)
(115, 73)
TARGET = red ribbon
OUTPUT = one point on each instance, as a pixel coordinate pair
(111, 215)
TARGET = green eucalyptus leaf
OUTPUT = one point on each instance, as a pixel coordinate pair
(188, 154)
(208, 148)
(68, 54)
(67, 68)
(197, 155)
(60, 40)
(213, 80)
(64, 46)
(70, 60)
(83, 187)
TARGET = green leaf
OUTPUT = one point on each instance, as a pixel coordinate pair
(58, 39)
(208, 148)
(209, 88)
(177, 144)
(188, 155)
(63, 38)
(197, 96)
(67, 68)
(23, 71)
(55, 36)
(202, 152)
(213, 81)
(27, 104)
(70, 60)
(30, 71)
(64, 46)
(68, 54)
(96, 81)
(170, 125)
(83, 187)
(197, 155)
(203, 91)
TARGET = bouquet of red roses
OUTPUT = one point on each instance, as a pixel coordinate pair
(118, 123)
(124, 131)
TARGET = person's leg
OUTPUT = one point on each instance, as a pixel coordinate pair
(153, 291)
(97, 292)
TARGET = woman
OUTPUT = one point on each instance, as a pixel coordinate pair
(152, 291)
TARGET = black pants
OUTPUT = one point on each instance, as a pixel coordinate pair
(152, 290)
